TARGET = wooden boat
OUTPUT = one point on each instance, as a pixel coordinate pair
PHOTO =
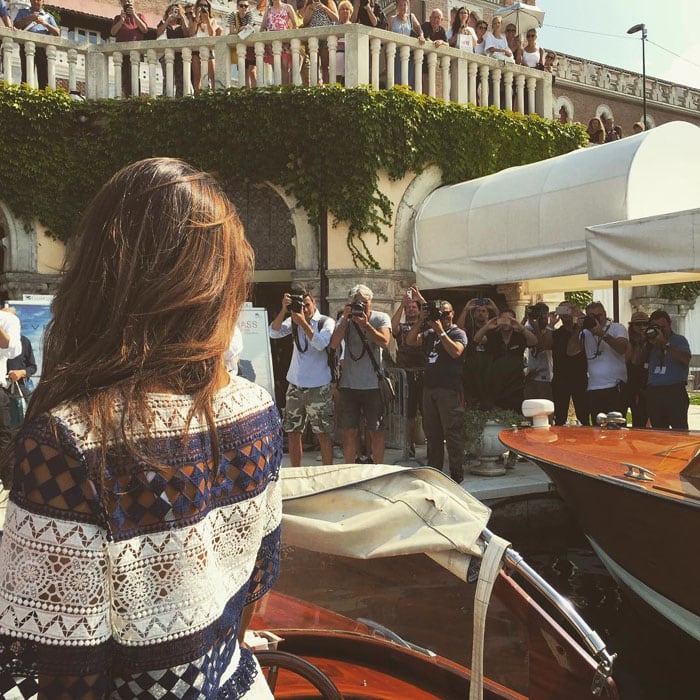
(337, 512)
(636, 494)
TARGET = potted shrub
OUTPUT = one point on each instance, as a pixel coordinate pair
(481, 429)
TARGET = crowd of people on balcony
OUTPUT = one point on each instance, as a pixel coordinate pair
(465, 31)
(603, 129)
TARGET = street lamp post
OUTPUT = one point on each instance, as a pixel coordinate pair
(643, 29)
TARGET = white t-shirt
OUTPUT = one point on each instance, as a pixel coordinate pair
(605, 366)
(233, 354)
(10, 324)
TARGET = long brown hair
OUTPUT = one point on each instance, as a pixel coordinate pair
(152, 287)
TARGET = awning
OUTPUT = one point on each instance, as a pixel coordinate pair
(653, 250)
(529, 223)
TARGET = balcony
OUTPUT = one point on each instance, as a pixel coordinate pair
(370, 57)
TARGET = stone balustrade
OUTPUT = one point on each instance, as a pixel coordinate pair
(609, 78)
(371, 57)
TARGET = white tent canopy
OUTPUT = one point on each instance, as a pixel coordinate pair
(529, 223)
(667, 247)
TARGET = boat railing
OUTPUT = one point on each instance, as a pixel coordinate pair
(514, 562)
(357, 56)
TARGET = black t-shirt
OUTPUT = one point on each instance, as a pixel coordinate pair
(566, 366)
(443, 370)
(363, 17)
(433, 36)
(409, 357)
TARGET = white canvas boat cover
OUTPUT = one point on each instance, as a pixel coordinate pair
(529, 223)
(653, 250)
(367, 511)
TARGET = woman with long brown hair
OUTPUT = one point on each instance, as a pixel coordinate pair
(144, 509)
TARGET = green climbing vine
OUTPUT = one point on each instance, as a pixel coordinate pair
(324, 146)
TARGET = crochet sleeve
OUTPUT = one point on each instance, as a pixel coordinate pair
(54, 603)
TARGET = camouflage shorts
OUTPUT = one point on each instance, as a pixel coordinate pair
(314, 405)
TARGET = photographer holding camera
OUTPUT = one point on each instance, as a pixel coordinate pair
(570, 371)
(411, 359)
(129, 25)
(309, 395)
(369, 13)
(538, 374)
(669, 359)
(444, 343)
(605, 343)
(477, 362)
(505, 340)
(363, 331)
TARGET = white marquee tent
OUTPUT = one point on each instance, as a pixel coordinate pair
(528, 224)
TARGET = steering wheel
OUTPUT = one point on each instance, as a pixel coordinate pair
(275, 660)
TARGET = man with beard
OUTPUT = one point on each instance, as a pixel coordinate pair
(411, 359)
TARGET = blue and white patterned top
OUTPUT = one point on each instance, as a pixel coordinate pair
(132, 585)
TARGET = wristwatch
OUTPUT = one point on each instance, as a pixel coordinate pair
(443, 333)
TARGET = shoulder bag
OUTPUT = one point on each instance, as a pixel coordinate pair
(386, 385)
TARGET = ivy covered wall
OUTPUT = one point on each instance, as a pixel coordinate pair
(324, 146)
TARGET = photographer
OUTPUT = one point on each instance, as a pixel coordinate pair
(444, 343)
(309, 395)
(570, 373)
(637, 362)
(477, 362)
(605, 344)
(363, 331)
(369, 13)
(411, 359)
(505, 340)
(538, 375)
(669, 359)
(128, 26)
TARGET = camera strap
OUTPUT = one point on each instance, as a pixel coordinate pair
(297, 342)
(366, 349)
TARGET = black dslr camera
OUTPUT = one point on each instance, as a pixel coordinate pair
(589, 322)
(434, 312)
(297, 303)
(652, 332)
(358, 308)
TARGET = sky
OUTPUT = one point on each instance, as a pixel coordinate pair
(597, 29)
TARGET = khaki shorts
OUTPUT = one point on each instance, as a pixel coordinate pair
(314, 406)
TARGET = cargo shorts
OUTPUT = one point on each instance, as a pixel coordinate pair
(312, 405)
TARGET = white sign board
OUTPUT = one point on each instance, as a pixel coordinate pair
(256, 358)
(33, 317)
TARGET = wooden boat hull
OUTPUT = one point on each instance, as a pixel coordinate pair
(643, 531)
(365, 665)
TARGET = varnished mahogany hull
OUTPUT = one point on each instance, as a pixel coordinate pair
(648, 529)
(366, 666)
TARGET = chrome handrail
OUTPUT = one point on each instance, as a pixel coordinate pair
(514, 562)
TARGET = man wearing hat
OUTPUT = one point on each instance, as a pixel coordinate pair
(569, 379)
(636, 359)
(669, 359)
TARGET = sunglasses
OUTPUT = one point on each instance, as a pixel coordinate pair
(510, 31)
